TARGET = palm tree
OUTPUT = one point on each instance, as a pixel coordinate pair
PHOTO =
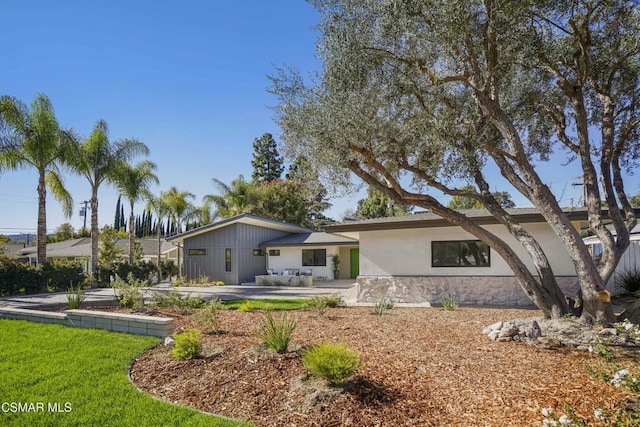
(179, 210)
(33, 139)
(158, 206)
(133, 183)
(238, 198)
(98, 159)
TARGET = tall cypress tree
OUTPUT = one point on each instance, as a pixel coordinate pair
(116, 222)
(267, 162)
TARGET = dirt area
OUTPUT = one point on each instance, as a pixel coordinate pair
(422, 367)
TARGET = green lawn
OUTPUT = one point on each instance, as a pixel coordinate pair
(269, 304)
(84, 372)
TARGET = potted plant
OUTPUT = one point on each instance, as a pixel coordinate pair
(335, 266)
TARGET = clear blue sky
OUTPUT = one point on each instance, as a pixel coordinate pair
(187, 78)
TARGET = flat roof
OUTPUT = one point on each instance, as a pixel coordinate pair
(317, 238)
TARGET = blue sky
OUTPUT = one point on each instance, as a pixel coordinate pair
(187, 78)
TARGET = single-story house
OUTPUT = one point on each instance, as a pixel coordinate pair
(237, 249)
(79, 250)
(422, 258)
(629, 262)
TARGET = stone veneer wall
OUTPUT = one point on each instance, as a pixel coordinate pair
(478, 290)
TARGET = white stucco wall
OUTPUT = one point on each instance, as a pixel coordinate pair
(291, 257)
(408, 252)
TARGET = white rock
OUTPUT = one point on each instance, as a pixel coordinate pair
(169, 342)
(493, 335)
(495, 327)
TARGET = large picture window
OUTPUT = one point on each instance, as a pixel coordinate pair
(460, 253)
(314, 257)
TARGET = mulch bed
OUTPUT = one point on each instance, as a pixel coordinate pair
(422, 367)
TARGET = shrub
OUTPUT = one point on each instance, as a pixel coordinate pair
(383, 305)
(450, 303)
(18, 278)
(335, 363)
(219, 283)
(168, 268)
(246, 307)
(276, 333)
(317, 304)
(207, 317)
(334, 301)
(629, 281)
(203, 280)
(173, 299)
(188, 345)
(62, 275)
(75, 297)
(128, 292)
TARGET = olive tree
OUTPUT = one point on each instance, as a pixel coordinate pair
(417, 96)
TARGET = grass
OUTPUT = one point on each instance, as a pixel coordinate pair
(86, 370)
(269, 304)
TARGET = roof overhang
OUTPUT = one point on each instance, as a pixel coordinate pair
(240, 219)
(430, 220)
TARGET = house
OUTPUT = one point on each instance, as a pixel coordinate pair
(79, 250)
(423, 258)
(629, 262)
(237, 249)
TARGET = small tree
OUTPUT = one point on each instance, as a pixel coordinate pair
(110, 253)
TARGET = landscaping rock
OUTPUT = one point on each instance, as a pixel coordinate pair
(508, 331)
(169, 342)
(495, 327)
(534, 331)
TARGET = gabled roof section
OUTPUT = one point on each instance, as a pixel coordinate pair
(317, 238)
(429, 219)
(57, 246)
(246, 218)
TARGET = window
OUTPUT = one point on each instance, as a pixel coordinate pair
(462, 253)
(227, 259)
(314, 257)
(258, 252)
(197, 251)
(274, 252)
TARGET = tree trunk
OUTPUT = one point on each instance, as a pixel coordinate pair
(131, 234)
(42, 224)
(94, 237)
(159, 251)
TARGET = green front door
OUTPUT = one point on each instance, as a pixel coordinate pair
(355, 262)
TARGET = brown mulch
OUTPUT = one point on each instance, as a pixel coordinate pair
(422, 367)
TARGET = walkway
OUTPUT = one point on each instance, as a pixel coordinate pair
(105, 296)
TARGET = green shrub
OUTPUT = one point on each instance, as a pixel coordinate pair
(207, 317)
(276, 333)
(245, 307)
(450, 302)
(173, 299)
(188, 345)
(334, 301)
(168, 268)
(318, 305)
(629, 281)
(75, 297)
(128, 293)
(383, 305)
(19, 278)
(335, 363)
(219, 283)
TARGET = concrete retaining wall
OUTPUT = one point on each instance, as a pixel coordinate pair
(476, 290)
(117, 322)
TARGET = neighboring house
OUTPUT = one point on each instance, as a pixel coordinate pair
(79, 250)
(629, 262)
(423, 258)
(12, 251)
(237, 249)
